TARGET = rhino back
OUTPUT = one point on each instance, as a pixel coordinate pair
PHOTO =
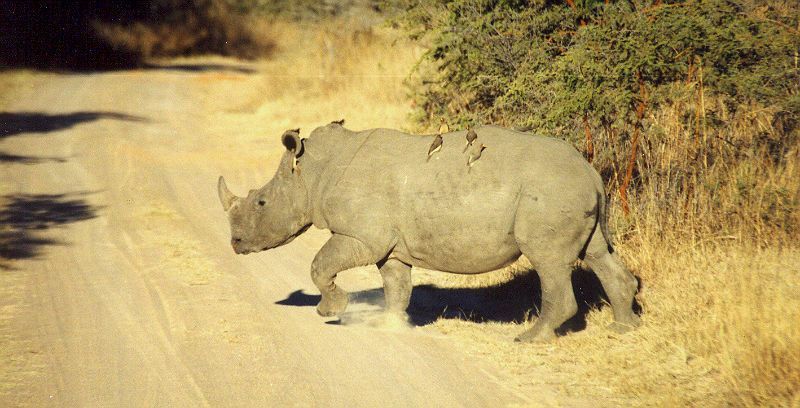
(377, 184)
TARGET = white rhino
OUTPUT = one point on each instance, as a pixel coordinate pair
(386, 205)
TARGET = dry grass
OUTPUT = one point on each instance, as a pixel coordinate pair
(740, 182)
(338, 69)
(318, 73)
(719, 329)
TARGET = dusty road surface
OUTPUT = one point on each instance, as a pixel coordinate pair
(118, 284)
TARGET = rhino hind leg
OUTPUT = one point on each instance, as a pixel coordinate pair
(338, 254)
(396, 285)
(558, 302)
(551, 237)
(620, 285)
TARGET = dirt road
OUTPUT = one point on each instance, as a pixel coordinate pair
(118, 285)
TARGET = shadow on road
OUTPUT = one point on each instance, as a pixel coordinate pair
(513, 301)
(16, 159)
(24, 219)
(12, 123)
(202, 67)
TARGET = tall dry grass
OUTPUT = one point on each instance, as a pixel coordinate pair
(739, 182)
(719, 329)
(319, 72)
(343, 68)
(712, 235)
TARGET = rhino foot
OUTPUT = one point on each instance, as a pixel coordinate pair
(333, 304)
(536, 335)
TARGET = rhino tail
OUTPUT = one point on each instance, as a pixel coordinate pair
(602, 220)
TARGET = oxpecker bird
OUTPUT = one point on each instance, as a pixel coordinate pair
(443, 128)
(296, 158)
(471, 136)
(435, 146)
(339, 122)
(474, 155)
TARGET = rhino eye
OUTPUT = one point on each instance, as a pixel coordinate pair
(261, 202)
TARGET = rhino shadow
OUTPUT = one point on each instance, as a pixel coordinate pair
(513, 301)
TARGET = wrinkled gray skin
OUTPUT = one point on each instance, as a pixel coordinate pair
(386, 205)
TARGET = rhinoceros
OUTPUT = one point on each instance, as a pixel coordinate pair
(386, 205)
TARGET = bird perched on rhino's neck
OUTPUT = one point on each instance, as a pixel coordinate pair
(474, 154)
(471, 136)
(443, 127)
(339, 122)
(435, 146)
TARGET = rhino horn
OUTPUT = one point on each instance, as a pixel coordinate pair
(225, 196)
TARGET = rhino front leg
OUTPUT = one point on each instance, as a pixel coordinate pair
(338, 254)
(396, 285)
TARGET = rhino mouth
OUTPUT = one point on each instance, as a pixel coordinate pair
(288, 239)
(244, 251)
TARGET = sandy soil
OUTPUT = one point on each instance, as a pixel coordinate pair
(118, 286)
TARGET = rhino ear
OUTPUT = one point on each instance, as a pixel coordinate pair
(225, 196)
(291, 140)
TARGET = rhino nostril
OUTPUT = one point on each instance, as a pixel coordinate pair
(235, 240)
